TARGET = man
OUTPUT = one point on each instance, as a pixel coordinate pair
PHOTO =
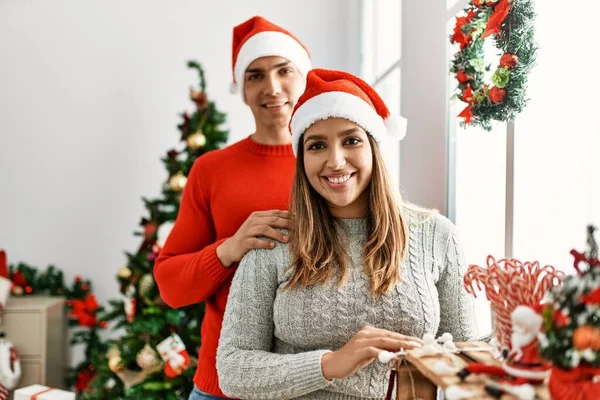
(237, 194)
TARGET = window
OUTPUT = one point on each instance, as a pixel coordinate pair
(556, 147)
(380, 64)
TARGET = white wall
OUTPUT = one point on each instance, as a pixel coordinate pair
(424, 99)
(89, 99)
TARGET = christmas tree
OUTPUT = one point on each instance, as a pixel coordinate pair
(571, 337)
(154, 356)
(572, 318)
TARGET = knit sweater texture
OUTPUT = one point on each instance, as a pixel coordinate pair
(273, 339)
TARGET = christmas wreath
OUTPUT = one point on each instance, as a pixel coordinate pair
(510, 24)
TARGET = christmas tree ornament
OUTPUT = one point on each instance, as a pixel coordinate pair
(196, 140)
(84, 377)
(174, 353)
(150, 228)
(130, 303)
(163, 232)
(124, 272)
(147, 358)
(115, 364)
(177, 182)
(587, 337)
(146, 287)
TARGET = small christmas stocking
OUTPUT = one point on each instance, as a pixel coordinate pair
(176, 357)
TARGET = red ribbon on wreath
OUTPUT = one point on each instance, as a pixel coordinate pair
(501, 11)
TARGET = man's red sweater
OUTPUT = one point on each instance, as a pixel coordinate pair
(224, 187)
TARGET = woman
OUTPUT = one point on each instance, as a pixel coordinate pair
(360, 274)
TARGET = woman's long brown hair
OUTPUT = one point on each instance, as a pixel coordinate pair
(318, 249)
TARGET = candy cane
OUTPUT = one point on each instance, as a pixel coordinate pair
(509, 283)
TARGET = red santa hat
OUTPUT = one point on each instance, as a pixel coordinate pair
(529, 316)
(338, 94)
(258, 38)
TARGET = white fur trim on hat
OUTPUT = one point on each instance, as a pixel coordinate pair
(396, 126)
(527, 316)
(233, 88)
(270, 43)
(340, 105)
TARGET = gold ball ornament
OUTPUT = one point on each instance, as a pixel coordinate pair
(113, 351)
(124, 272)
(146, 285)
(147, 358)
(177, 182)
(196, 140)
(115, 364)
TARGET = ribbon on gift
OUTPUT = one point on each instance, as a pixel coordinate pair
(35, 395)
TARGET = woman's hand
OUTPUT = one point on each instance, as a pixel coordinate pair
(362, 349)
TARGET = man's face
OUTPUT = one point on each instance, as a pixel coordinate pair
(272, 86)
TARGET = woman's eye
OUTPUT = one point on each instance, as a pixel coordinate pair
(316, 146)
(353, 141)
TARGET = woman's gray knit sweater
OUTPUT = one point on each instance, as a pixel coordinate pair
(272, 339)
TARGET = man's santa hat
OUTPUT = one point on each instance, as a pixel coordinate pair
(338, 94)
(258, 38)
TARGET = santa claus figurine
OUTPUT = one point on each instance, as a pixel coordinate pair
(523, 363)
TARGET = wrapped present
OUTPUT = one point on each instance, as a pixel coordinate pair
(421, 372)
(41, 392)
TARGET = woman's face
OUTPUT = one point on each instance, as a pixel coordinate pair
(338, 162)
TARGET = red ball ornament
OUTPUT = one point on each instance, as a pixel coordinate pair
(85, 287)
(77, 278)
(462, 76)
(28, 289)
(149, 230)
(497, 95)
(509, 60)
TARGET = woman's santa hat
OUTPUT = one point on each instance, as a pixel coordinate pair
(258, 38)
(338, 94)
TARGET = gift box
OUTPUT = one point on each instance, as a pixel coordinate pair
(41, 392)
